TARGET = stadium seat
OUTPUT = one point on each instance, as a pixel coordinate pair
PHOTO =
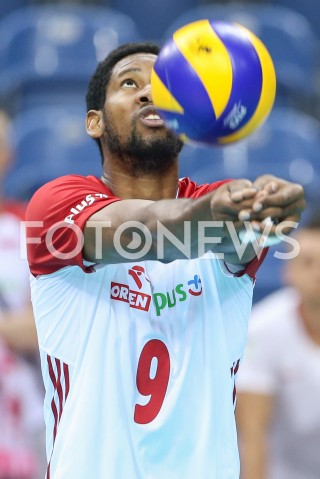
(8, 6)
(48, 53)
(287, 35)
(153, 16)
(308, 8)
(47, 143)
(287, 145)
(205, 164)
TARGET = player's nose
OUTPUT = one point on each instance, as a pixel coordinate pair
(144, 95)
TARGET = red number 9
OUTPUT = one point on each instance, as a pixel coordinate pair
(155, 387)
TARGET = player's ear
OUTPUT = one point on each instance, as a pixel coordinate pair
(94, 123)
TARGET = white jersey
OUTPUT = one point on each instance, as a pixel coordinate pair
(139, 361)
(281, 360)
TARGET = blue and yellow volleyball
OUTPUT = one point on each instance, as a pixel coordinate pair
(213, 82)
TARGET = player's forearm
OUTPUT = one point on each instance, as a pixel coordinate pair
(189, 221)
(198, 219)
(173, 229)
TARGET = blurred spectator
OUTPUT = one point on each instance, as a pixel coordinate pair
(21, 397)
(14, 284)
(278, 409)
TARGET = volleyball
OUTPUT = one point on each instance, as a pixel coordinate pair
(213, 82)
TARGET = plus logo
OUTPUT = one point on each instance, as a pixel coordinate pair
(180, 293)
(195, 286)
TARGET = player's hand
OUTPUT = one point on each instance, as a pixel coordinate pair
(278, 199)
(233, 201)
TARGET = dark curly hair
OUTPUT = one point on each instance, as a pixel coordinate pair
(97, 88)
(96, 93)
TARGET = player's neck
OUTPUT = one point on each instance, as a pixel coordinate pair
(154, 186)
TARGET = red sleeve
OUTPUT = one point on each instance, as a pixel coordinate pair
(190, 189)
(55, 219)
(252, 267)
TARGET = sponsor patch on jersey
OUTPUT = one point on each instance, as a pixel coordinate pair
(169, 299)
(161, 299)
(135, 299)
(87, 201)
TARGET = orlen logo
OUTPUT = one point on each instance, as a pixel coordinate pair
(179, 293)
(135, 299)
(136, 272)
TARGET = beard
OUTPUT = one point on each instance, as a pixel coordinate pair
(142, 156)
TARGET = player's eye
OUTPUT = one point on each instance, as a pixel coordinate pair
(128, 83)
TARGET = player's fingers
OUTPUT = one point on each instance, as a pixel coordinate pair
(273, 226)
(244, 194)
(267, 226)
(236, 185)
(245, 214)
(240, 190)
(281, 213)
(287, 194)
(268, 183)
(223, 206)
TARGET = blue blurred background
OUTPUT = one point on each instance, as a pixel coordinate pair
(49, 49)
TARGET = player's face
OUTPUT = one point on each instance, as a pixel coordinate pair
(132, 128)
(303, 272)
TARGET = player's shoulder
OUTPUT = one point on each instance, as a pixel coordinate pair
(69, 182)
(75, 188)
(190, 189)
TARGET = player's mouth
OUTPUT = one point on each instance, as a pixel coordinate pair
(150, 118)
